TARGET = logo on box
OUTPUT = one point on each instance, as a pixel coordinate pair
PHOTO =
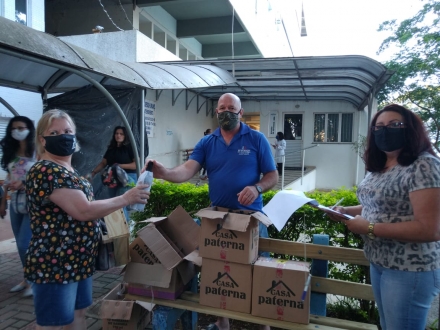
(280, 295)
(224, 239)
(145, 253)
(226, 286)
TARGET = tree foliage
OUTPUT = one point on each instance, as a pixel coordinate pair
(416, 81)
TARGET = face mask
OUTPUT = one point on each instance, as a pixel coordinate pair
(228, 120)
(60, 145)
(390, 139)
(19, 135)
(277, 137)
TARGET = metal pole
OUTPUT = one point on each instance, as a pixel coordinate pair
(9, 107)
(282, 175)
(142, 128)
(94, 83)
(302, 167)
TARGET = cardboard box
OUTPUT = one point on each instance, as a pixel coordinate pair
(172, 239)
(230, 235)
(117, 226)
(163, 256)
(157, 281)
(277, 290)
(226, 285)
(119, 314)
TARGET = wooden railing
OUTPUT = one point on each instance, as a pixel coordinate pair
(190, 301)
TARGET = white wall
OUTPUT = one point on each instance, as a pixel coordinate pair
(123, 46)
(337, 164)
(176, 128)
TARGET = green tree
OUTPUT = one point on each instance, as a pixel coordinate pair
(416, 64)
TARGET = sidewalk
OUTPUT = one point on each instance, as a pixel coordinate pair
(17, 312)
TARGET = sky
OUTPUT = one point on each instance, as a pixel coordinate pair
(334, 27)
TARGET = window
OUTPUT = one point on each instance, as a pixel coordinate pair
(333, 127)
(21, 11)
(293, 127)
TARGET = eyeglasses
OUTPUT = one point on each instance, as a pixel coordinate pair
(387, 127)
(20, 128)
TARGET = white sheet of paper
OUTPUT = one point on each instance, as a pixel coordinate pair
(282, 206)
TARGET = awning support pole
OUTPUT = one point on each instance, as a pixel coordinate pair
(9, 107)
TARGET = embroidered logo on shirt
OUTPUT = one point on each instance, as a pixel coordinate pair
(244, 151)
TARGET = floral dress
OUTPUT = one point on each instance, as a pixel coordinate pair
(62, 249)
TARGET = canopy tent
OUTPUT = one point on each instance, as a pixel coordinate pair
(352, 78)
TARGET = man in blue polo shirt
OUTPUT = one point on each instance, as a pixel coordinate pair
(235, 156)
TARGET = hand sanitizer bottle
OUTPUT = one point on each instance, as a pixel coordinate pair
(145, 178)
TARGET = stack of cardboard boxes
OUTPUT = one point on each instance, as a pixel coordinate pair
(230, 280)
(162, 264)
(164, 255)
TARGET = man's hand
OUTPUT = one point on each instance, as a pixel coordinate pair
(248, 195)
(158, 168)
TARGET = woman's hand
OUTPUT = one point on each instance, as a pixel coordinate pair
(335, 217)
(357, 225)
(137, 195)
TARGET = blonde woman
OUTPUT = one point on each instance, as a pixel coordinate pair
(60, 260)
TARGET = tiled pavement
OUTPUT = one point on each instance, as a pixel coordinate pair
(17, 312)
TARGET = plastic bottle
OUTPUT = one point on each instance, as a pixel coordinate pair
(145, 178)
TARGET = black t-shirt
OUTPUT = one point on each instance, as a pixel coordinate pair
(120, 155)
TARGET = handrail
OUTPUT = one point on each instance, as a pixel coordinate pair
(303, 159)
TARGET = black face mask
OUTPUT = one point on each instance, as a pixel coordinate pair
(60, 145)
(390, 139)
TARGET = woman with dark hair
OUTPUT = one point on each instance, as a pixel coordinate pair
(18, 157)
(119, 152)
(279, 146)
(399, 218)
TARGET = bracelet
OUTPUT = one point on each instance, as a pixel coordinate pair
(370, 233)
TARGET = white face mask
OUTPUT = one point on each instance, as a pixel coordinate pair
(20, 135)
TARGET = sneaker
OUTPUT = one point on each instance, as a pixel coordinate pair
(18, 288)
(203, 176)
(28, 292)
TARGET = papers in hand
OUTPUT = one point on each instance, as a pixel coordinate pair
(286, 202)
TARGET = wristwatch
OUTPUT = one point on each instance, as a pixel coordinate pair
(370, 233)
(259, 189)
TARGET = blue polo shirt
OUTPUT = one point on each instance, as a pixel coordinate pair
(232, 167)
